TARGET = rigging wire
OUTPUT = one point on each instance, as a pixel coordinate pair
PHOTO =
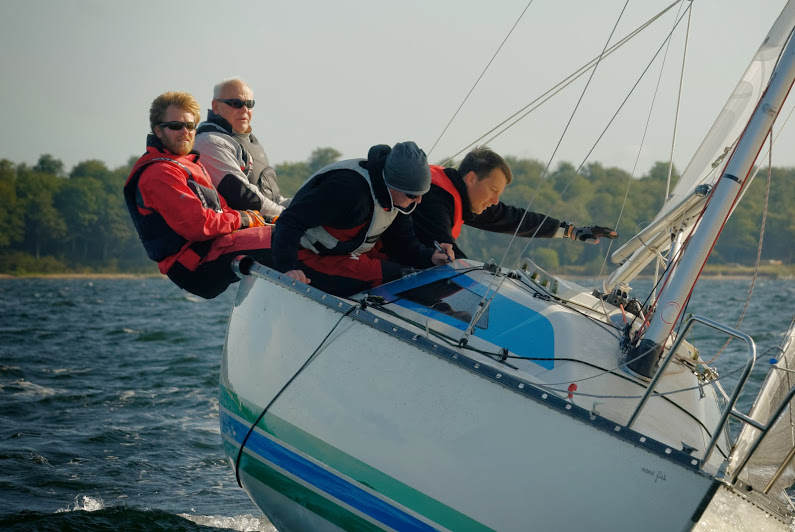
(543, 98)
(666, 44)
(678, 102)
(576, 106)
(759, 247)
(489, 294)
(746, 183)
(603, 371)
(610, 122)
(479, 78)
(494, 286)
(677, 19)
(624, 102)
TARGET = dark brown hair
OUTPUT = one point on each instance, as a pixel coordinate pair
(482, 161)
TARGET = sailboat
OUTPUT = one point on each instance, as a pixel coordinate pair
(473, 396)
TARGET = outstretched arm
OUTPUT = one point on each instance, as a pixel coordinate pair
(502, 218)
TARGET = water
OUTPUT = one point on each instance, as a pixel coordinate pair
(109, 411)
(108, 400)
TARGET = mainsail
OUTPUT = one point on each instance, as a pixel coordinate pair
(686, 200)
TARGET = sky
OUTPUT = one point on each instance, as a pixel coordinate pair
(78, 76)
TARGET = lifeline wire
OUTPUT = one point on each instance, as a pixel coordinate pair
(264, 410)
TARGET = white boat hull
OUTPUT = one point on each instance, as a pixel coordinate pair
(384, 431)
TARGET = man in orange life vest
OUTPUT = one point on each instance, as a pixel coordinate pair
(184, 225)
(471, 195)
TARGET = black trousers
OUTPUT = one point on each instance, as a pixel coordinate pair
(212, 278)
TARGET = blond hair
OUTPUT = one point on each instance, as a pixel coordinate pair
(183, 100)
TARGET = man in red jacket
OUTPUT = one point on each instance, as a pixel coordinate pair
(182, 221)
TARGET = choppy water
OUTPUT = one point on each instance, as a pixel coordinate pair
(109, 411)
(108, 400)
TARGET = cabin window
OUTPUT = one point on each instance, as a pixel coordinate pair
(449, 298)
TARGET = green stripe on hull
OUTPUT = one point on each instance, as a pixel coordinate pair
(329, 510)
(355, 469)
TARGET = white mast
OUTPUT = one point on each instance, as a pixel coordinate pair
(643, 357)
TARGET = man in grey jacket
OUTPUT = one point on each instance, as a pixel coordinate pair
(233, 156)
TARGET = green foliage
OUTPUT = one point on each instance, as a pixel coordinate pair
(55, 221)
(12, 225)
(21, 263)
(322, 157)
(547, 259)
(292, 175)
(596, 195)
(49, 165)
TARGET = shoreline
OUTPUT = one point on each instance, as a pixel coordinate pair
(81, 276)
(739, 274)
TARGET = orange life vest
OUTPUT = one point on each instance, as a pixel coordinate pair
(440, 179)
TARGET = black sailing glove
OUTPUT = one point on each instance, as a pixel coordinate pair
(590, 234)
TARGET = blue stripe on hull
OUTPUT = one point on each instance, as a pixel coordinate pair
(320, 478)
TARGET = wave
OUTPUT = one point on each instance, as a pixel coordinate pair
(89, 513)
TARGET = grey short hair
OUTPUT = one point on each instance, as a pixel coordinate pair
(220, 86)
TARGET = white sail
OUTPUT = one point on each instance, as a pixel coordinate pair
(780, 440)
(680, 209)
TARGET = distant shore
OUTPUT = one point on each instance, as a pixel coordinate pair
(766, 271)
(80, 275)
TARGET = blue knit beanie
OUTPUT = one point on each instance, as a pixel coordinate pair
(406, 169)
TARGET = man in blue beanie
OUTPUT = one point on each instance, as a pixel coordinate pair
(328, 234)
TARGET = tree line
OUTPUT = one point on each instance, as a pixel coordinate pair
(54, 221)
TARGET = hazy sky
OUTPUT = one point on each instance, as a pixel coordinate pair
(78, 76)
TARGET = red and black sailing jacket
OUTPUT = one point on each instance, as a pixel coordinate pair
(175, 207)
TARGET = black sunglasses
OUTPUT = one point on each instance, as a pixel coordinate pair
(412, 196)
(237, 103)
(177, 126)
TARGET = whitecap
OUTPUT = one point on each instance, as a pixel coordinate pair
(244, 523)
(34, 389)
(85, 503)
